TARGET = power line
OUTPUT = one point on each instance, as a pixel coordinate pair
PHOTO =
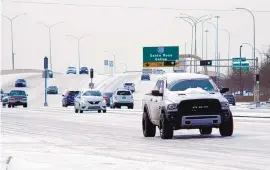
(130, 7)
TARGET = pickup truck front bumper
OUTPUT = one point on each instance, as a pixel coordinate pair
(187, 121)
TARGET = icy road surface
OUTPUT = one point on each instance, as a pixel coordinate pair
(59, 139)
(41, 138)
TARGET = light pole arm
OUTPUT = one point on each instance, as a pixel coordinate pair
(56, 24)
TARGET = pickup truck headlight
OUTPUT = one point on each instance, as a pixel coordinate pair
(225, 105)
(172, 107)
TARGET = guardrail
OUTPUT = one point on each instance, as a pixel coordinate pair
(21, 71)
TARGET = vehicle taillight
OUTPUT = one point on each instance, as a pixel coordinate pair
(11, 98)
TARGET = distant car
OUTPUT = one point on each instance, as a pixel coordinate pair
(17, 98)
(268, 101)
(69, 97)
(145, 76)
(71, 70)
(2, 94)
(90, 100)
(52, 90)
(20, 83)
(107, 96)
(122, 97)
(4, 99)
(84, 70)
(230, 98)
(129, 86)
(49, 74)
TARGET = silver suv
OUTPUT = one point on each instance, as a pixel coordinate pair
(129, 86)
(122, 97)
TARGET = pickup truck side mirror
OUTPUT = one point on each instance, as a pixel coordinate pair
(224, 90)
(156, 93)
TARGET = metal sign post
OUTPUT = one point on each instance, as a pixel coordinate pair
(46, 75)
(105, 66)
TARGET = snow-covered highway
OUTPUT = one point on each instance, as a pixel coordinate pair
(54, 137)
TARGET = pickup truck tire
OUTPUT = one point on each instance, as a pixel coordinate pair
(76, 110)
(9, 105)
(205, 131)
(226, 127)
(25, 105)
(81, 111)
(99, 111)
(149, 129)
(166, 128)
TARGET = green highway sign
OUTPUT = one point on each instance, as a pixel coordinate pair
(236, 67)
(237, 61)
(160, 54)
(242, 59)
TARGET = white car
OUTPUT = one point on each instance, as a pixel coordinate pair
(90, 100)
(122, 97)
(129, 86)
(186, 101)
(71, 70)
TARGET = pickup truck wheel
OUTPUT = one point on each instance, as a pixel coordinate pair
(81, 111)
(226, 127)
(76, 110)
(205, 131)
(104, 111)
(25, 105)
(166, 129)
(99, 111)
(149, 129)
(9, 105)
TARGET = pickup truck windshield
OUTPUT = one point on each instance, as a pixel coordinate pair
(183, 85)
(17, 93)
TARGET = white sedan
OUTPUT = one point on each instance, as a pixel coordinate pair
(90, 100)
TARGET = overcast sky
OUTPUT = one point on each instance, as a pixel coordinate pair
(123, 31)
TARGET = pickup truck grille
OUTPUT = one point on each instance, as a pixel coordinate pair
(200, 107)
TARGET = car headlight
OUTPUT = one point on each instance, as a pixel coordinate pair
(172, 107)
(225, 105)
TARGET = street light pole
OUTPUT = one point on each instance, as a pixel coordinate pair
(78, 47)
(215, 46)
(203, 34)
(124, 65)
(195, 22)
(206, 46)
(218, 68)
(192, 37)
(241, 90)
(12, 41)
(229, 48)
(256, 85)
(50, 39)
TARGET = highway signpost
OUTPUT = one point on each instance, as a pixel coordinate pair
(106, 63)
(111, 66)
(46, 76)
(167, 56)
(91, 84)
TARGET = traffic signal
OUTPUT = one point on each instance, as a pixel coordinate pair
(91, 73)
(257, 78)
(205, 62)
(169, 63)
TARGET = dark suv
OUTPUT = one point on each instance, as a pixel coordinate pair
(69, 97)
(230, 98)
(84, 70)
